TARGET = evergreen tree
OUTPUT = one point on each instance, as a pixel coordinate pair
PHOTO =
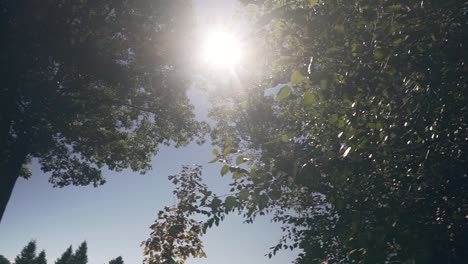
(117, 260)
(28, 254)
(4, 260)
(66, 257)
(41, 258)
(81, 254)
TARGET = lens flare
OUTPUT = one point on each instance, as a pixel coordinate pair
(221, 49)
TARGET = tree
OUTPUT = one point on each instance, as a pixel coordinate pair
(66, 257)
(41, 258)
(4, 260)
(81, 254)
(175, 235)
(28, 254)
(117, 260)
(91, 84)
(362, 153)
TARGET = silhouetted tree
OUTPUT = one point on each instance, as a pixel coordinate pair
(117, 260)
(41, 258)
(88, 84)
(4, 260)
(66, 257)
(28, 254)
(81, 254)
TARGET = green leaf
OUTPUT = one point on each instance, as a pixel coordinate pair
(394, 7)
(213, 160)
(312, 2)
(253, 172)
(284, 93)
(297, 77)
(215, 152)
(309, 98)
(284, 138)
(227, 151)
(240, 160)
(378, 54)
(243, 195)
(224, 170)
(237, 175)
(341, 123)
(230, 202)
(215, 203)
(397, 42)
(25, 172)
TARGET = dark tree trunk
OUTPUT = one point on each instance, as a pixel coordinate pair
(7, 183)
(9, 173)
(13, 151)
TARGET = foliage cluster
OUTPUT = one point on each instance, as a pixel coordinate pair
(362, 154)
(87, 85)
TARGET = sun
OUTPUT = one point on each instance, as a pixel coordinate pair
(221, 49)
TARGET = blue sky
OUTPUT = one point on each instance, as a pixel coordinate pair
(114, 218)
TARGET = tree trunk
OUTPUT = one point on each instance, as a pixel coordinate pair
(13, 151)
(9, 173)
(7, 182)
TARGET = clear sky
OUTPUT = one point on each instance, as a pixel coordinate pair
(114, 218)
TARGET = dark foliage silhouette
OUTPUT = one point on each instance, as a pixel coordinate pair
(90, 84)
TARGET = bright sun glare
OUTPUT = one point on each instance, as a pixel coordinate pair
(221, 49)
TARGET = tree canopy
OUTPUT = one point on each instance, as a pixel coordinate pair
(117, 260)
(28, 255)
(81, 254)
(66, 257)
(41, 258)
(4, 260)
(361, 154)
(87, 85)
(351, 128)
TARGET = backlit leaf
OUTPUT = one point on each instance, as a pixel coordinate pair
(378, 54)
(297, 77)
(240, 160)
(227, 151)
(237, 175)
(224, 170)
(284, 93)
(309, 98)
